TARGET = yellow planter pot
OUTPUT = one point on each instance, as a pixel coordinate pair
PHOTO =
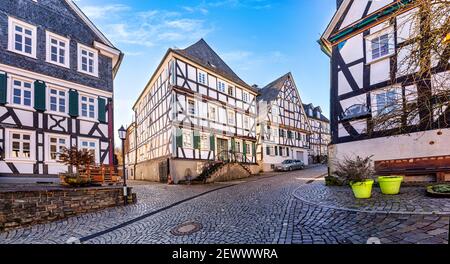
(362, 190)
(390, 184)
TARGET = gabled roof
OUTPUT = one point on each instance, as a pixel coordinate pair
(203, 54)
(110, 50)
(270, 92)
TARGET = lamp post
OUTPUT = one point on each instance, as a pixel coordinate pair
(122, 136)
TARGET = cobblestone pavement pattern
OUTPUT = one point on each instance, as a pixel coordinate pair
(258, 210)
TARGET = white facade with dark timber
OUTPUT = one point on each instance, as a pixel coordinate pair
(363, 40)
(283, 128)
(320, 132)
(194, 109)
(56, 87)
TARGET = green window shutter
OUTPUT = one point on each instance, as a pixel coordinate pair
(244, 149)
(101, 110)
(73, 103)
(179, 138)
(3, 87)
(212, 142)
(196, 140)
(254, 149)
(276, 150)
(39, 95)
(233, 145)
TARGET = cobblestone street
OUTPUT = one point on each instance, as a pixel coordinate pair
(272, 208)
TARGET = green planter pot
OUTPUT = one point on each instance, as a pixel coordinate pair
(362, 190)
(390, 184)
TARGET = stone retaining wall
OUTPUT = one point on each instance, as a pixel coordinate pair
(22, 208)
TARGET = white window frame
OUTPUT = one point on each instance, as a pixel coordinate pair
(210, 117)
(231, 88)
(205, 141)
(81, 107)
(49, 45)
(80, 59)
(221, 86)
(248, 148)
(11, 93)
(202, 77)
(188, 134)
(374, 102)
(48, 158)
(188, 101)
(233, 115)
(12, 23)
(245, 96)
(58, 98)
(246, 122)
(391, 42)
(8, 146)
(96, 148)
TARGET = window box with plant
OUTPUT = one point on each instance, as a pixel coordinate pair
(358, 172)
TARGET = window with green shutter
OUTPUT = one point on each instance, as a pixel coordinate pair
(101, 109)
(39, 95)
(254, 149)
(244, 149)
(179, 138)
(212, 142)
(233, 145)
(196, 140)
(73, 103)
(3, 87)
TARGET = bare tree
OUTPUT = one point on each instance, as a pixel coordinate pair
(421, 66)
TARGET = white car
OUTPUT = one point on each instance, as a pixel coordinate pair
(290, 165)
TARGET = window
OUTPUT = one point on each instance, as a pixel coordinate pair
(354, 111)
(20, 145)
(245, 97)
(56, 146)
(204, 141)
(238, 146)
(22, 38)
(212, 113)
(58, 50)
(246, 122)
(230, 91)
(231, 118)
(57, 101)
(221, 86)
(89, 145)
(380, 45)
(87, 60)
(281, 151)
(187, 139)
(87, 107)
(22, 93)
(202, 78)
(386, 101)
(248, 148)
(191, 107)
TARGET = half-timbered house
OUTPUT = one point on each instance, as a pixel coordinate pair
(366, 41)
(56, 86)
(320, 133)
(194, 110)
(283, 128)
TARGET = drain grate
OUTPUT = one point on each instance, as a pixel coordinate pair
(186, 229)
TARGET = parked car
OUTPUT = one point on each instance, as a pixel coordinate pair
(290, 165)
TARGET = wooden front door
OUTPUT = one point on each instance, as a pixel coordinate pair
(222, 149)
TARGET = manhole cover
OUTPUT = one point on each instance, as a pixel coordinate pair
(186, 229)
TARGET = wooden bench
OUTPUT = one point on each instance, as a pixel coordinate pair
(437, 166)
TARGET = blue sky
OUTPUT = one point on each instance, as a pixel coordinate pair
(259, 39)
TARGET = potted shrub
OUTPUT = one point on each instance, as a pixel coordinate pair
(390, 184)
(78, 159)
(358, 172)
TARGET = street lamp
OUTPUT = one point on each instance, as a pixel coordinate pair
(122, 136)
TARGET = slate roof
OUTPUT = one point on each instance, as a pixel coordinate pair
(270, 92)
(204, 55)
(315, 110)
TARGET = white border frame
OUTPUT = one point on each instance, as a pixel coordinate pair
(48, 36)
(8, 145)
(84, 47)
(11, 23)
(47, 136)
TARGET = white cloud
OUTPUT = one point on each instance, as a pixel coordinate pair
(103, 12)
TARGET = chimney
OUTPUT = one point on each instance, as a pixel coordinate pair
(339, 3)
(255, 86)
